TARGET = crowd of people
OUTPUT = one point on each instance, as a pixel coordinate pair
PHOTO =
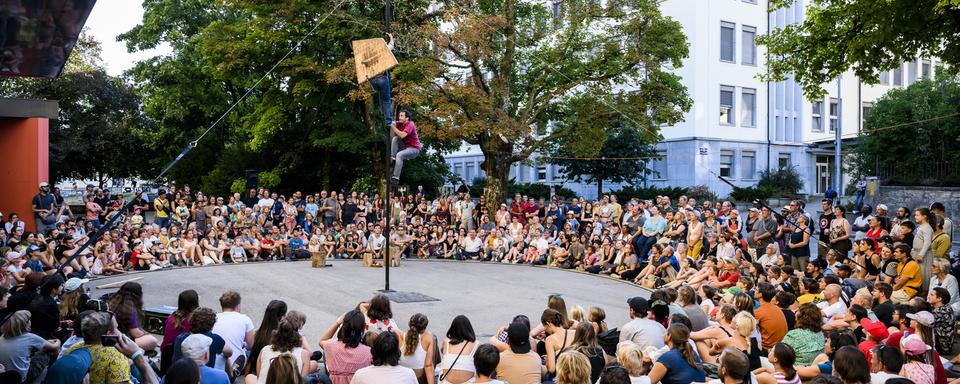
(734, 296)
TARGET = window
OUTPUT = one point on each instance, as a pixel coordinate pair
(783, 161)
(727, 45)
(865, 112)
(542, 172)
(458, 169)
(726, 163)
(659, 166)
(748, 55)
(885, 78)
(925, 69)
(726, 105)
(749, 163)
(898, 76)
(469, 175)
(834, 112)
(816, 120)
(748, 107)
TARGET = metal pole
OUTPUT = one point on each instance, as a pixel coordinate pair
(389, 207)
(836, 145)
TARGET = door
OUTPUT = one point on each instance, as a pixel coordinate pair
(823, 174)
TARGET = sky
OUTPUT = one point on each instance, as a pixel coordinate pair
(109, 19)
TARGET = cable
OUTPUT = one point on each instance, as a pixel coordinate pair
(193, 144)
(602, 158)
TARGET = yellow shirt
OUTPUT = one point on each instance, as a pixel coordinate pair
(109, 365)
(941, 245)
(810, 298)
(911, 271)
(161, 206)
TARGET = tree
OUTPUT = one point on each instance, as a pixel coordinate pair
(307, 125)
(515, 76)
(866, 36)
(97, 133)
(621, 160)
(902, 152)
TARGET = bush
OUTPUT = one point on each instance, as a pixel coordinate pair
(648, 193)
(783, 181)
(531, 190)
(749, 194)
(701, 193)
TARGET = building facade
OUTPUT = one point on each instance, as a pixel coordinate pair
(738, 125)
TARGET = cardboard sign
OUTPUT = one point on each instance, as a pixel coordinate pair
(372, 57)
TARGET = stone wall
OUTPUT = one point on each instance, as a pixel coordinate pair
(916, 197)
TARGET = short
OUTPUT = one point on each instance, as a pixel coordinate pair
(694, 249)
(900, 297)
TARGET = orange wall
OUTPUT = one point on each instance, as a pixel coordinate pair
(23, 164)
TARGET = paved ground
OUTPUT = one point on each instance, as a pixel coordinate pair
(489, 294)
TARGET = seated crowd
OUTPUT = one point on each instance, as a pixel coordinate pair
(736, 298)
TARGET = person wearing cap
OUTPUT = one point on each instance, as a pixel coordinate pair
(875, 332)
(641, 329)
(916, 368)
(518, 363)
(73, 298)
(45, 210)
(196, 347)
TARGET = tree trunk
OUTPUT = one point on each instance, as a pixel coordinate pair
(498, 156)
(599, 187)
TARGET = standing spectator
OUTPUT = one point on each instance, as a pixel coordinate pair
(467, 208)
(923, 241)
(861, 191)
(45, 210)
(162, 208)
(763, 232)
(93, 212)
(938, 209)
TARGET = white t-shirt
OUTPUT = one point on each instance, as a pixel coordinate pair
(472, 245)
(384, 374)
(882, 377)
(233, 328)
(831, 310)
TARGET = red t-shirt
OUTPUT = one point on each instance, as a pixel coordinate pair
(411, 140)
(730, 277)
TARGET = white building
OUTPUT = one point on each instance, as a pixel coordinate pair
(738, 125)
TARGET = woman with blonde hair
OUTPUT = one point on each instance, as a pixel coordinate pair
(573, 368)
(744, 325)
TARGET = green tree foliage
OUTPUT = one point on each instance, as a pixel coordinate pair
(495, 72)
(619, 160)
(902, 152)
(866, 36)
(97, 133)
(308, 124)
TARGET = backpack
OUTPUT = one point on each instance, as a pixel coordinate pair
(608, 341)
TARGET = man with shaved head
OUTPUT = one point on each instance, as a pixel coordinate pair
(832, 306)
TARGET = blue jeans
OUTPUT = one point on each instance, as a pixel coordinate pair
(406, 153)
(381, 84)
(859, 202)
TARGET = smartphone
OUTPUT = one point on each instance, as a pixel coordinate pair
(502, 337)
(109, 340)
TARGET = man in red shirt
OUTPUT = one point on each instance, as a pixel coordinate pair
(530, 209)
(516, 209)
(405, 145)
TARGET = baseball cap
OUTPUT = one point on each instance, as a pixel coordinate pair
(883, 207)
(518, 334)
(195, 345)
(73, 284)
(44, 184)
(638, 305)
(876, 329)
(913, 345)
(923, 317)
(754, 209)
